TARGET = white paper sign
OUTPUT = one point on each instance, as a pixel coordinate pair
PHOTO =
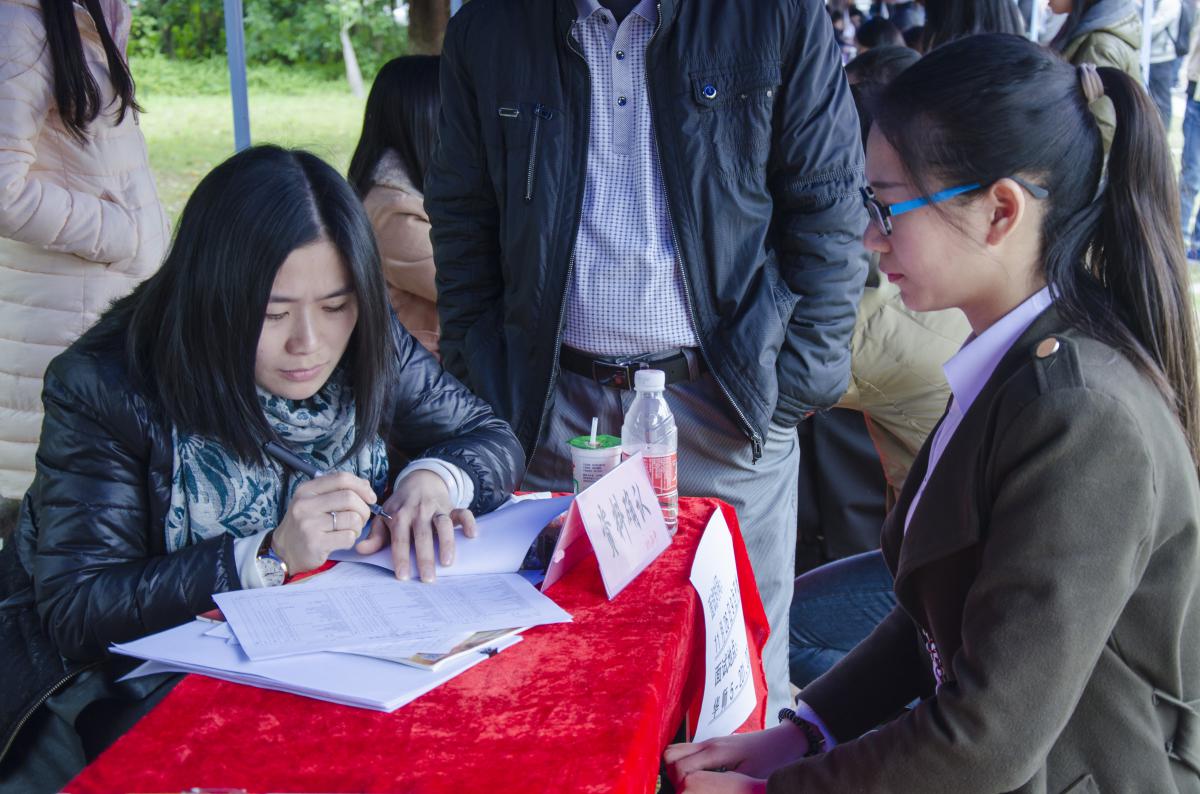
(623, 524)
(729, 697)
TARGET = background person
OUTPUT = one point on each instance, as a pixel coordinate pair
(947, 20)
(1189, 177)
(388, 170)
(1047, 543)
(575, 233)
(877, 32)
(152, 492)
(1164, 66)
(80, 220)
(1102, 33)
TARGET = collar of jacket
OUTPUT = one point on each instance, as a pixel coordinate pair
(952, 509)
(566, 13)
(1118, 17)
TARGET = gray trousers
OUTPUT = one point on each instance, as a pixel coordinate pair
(714, 460)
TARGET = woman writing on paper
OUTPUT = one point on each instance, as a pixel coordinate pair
(267, 322)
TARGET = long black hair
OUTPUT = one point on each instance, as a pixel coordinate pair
(869, 73)
(878, 32)
(986, 107)
(947, 20)
(191, 330)
(76, 93)
(402, 114)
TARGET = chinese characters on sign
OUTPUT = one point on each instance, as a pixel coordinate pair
(729, 696)
(620, 516)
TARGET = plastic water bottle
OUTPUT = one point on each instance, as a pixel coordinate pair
(650, 429)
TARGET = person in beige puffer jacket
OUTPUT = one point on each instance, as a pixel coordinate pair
(397, 212)
(388, 171)
(80, 219)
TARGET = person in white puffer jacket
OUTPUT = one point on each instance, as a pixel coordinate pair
(80, 219)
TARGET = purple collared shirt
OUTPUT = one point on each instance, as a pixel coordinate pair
(969, 370)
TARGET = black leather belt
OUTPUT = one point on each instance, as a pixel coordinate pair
(617, 371)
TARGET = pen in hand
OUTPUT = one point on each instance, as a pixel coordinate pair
(294, 461)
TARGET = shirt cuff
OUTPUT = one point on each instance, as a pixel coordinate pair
(462, 490)
(805, 712)
(245, 553)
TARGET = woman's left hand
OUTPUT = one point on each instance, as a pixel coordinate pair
(419, 507)
(721, 783)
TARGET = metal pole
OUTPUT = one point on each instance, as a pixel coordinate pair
(1035, 22)
(235, 53)
(1147, 18)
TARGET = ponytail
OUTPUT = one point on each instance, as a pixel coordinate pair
(76, 94)
(1137, 255)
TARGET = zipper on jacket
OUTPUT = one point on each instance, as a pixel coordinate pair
(756, 442)
(12, 737)
(539, 113)
(562, 308)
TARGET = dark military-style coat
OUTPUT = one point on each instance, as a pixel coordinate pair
(1050, 572)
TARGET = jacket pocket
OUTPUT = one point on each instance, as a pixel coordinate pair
(735, 106)
(524, 130)
(1085, 785)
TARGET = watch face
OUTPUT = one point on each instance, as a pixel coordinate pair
(273, 572)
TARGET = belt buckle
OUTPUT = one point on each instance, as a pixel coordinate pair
(618, 374)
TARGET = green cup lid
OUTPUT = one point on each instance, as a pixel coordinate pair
(602, 442)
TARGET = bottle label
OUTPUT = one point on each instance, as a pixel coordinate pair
(664, 477)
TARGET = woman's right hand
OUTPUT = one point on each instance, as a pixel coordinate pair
(756, 754)
(309, 533)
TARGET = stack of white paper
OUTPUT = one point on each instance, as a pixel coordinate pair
(351, 680)
(283, 621)
(504, 536)
(346, 634)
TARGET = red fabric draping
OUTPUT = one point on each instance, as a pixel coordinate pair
(586, 706)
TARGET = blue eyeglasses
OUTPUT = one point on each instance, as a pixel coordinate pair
(882, 214)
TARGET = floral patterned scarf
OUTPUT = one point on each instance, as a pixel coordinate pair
(214, 493)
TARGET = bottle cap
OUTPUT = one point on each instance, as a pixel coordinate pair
(649, 379)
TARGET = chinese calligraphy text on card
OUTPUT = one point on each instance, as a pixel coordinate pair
(729, 696)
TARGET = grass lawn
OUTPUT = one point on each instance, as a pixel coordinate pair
(188, 135)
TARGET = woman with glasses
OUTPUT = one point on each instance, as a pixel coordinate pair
(1046, 545)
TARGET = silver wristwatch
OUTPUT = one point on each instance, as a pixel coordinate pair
(271, 567)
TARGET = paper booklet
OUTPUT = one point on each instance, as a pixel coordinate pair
(356, 635)
(480, 641)
(348, 679)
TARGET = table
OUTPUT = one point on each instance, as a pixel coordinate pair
(585, 707)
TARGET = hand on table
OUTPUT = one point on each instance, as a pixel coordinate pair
(754, 756)
(419, 507)
(721, 783)
(326, 514)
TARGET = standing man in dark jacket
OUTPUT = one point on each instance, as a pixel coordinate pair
(621, 184)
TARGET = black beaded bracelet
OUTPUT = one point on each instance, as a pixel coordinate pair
(816, 739)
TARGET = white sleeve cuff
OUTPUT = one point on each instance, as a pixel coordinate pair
(245, 552)
(462, 490)
(805, 712)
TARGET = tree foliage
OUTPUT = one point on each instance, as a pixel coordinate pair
(277, 31)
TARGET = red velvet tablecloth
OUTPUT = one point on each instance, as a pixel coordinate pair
(586, 706)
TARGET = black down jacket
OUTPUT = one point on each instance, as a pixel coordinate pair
(88, 566)
(761, 161)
